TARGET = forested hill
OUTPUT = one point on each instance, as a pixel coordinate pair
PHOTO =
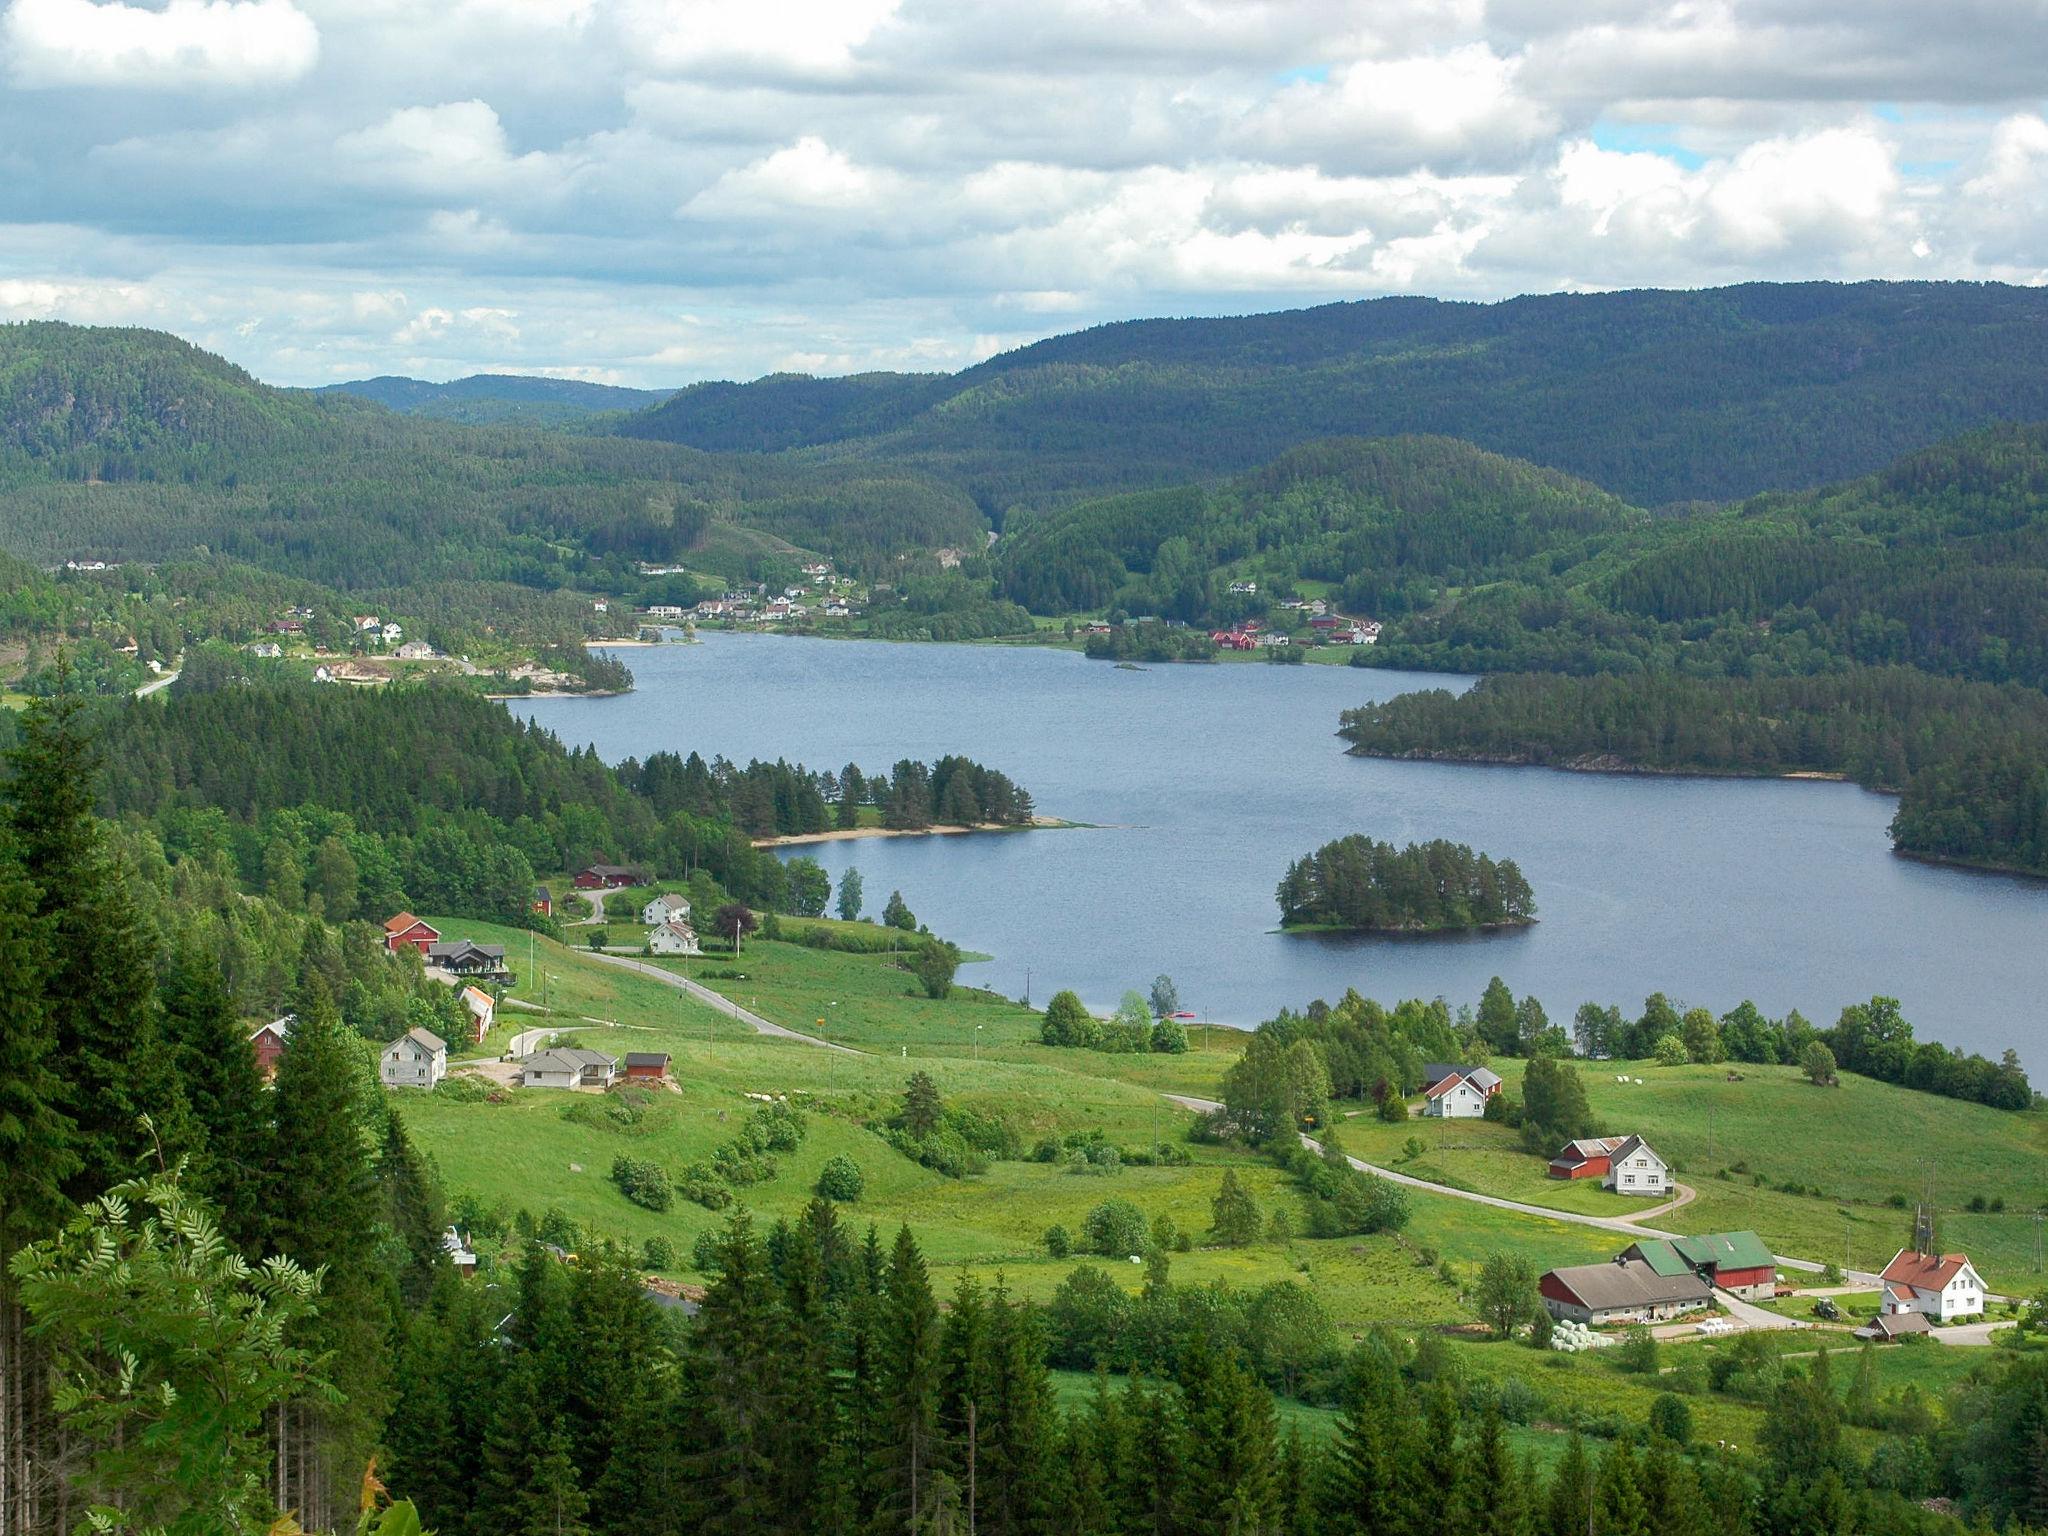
(1657, 396)
(134, 445)
(1390, 521)
(499, 397)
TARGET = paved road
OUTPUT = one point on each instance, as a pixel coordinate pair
(151, 687)
(720, 1001)
(1634, 1228)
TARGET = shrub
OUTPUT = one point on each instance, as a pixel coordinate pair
(704, 1254)
(1170, 1037)
(840, 1179)
(1057, 1241)
(1114, 1229)
(642, 1182)
(701, 1185)
(1672, 1418)
(934, 965)
(658, 1253)
(1638, 1352)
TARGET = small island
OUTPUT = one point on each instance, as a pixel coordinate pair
(1361, 886)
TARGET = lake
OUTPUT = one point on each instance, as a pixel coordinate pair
(1204, 782)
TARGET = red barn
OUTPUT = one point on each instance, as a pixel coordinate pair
(407, 932)
(1587, 1158)
(646, 1066)
(543, 901)
(606, 877)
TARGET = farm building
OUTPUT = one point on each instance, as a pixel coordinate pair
(1457, 1093)
(606, 877)
(646, 1066)
(665, 909)
(407, 932)
(1736, 1262)
(568, 1066)
(465, 957)
(267, 1042)
(483, 1011)
(1625, 1164)
(1940, 1286)
(1887, 1327)
(543, 901)
(416, 1059)
(673, 938)
(1623, 1290)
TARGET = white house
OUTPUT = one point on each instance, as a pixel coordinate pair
(415, 650)
(393, 633)
(568, 1066)
(674, 938)
(460, 1254)
(1634, 1168)
(1940, 1286)
(1455, 1097)
(269, 650)
(665, 909)
(483, 1011)
(416, 1059)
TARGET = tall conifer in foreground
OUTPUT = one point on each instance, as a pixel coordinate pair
(109, 1053)
(224, 1091)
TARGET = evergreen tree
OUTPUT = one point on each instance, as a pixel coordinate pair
(1365, 1485)
(210, 1047)
(36, 1154)
(110, 1055)
(1619, 1496)
(909, 1379)
(1227, 1444)
(1234, 1214)
(324, 1210)
(1569, 1508)
(413, 1211)
(730, 1389)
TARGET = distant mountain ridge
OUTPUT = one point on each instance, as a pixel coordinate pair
(1656, 396)
(499, 397)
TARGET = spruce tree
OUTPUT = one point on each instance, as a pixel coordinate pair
(1227, 1441)
(210, 1048)
(324, 1214)
(730, 1390)
(910, 1381)
(806, 1494)
(1619, 1495)
(1363, 1480)
(1018, 1425)
(413, 1211)
(1568, 1508)
(36, 1153)
(110, 1055)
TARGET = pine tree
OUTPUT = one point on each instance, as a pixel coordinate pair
(412, 1211)
(1364, 1484)
(910, 1381)
(1623, 1511)
(1487, 1491)
(1227, 1442)
(210, 1048)
(109, 1054)
(324, 1214)
(1569, 1508)
(729, 1389)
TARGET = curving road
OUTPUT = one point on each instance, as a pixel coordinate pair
(719, 1001)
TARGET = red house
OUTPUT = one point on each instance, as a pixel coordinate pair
(543, 901)
(1588, 1158)
(268, 1042)
(407, 932)
(606, 877)
(646, 1066)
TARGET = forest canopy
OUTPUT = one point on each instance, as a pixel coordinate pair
(1434, 887)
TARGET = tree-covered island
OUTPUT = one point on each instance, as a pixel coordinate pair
(1366, 886)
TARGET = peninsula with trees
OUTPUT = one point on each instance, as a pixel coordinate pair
(1364, 886)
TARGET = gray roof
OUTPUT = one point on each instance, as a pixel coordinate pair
(567, 1058)
(1628, 1283)
(647, 1058)
(1891, 1325)
(422, 1037)
(1485, 1079)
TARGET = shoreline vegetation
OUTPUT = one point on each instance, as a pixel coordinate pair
(1357, 885)
(857, 834)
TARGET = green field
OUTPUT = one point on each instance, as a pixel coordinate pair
(1863, 1145)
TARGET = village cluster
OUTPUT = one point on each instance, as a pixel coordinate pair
(823, 595)
(1661, 1280)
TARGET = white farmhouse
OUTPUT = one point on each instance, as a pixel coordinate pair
(674, 938)
(416, 1059)
(1454, 1098)
(665, 909)
(1634, 1168)
(1940, 1286)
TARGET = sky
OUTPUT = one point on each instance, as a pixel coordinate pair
(653, 192)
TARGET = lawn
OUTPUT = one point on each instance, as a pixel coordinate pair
(1739, 1143)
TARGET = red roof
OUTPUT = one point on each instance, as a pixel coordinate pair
(1444, 1085)
(1924, 1271)
(402, 922)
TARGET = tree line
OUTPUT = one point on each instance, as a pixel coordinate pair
(1356, 882)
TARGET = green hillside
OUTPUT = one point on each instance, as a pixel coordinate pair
(486, 398)
(1658, 396)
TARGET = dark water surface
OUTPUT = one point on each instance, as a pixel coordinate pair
(1205, 781)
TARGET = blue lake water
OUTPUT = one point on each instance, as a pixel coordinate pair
(1205, 781)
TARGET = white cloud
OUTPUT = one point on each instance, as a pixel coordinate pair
(456, 147)
(809, 174)
(793, 36)
(185, 43)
